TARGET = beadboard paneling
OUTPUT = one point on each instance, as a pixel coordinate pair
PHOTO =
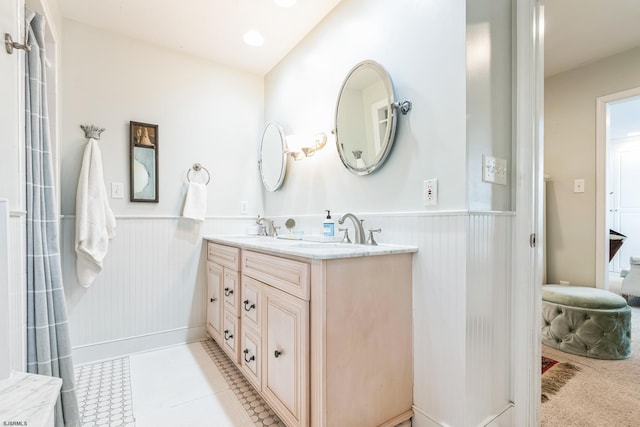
(18, 293)
(152, 284)
(488, 345)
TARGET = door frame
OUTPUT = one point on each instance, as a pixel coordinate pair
(602, 233)
(527, 258)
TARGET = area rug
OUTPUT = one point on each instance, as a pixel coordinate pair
(554, 376)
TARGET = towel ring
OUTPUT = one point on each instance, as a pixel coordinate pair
(197, 167)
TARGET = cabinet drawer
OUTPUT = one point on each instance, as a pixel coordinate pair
(250, 356)
(231, 336)
(231, 291)
(285, 274)
(226, 256)
(250, 306)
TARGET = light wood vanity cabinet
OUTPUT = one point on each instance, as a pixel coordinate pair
(327, 342)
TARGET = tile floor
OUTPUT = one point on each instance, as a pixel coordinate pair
(192, 385)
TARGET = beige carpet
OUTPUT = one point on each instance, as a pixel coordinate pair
(604, 393)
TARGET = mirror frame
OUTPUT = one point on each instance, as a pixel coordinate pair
(134, 143)
(391, 130)
(283, 168)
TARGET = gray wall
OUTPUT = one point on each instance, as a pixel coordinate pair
(570, 153)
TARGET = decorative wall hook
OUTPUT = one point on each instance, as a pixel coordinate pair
(9, 44)
(92, 131)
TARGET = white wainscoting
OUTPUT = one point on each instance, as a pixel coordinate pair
(151, 292)
(12, 291)
(18, 292)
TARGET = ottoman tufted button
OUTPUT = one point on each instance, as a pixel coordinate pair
(572, 330)
(588, 348)
(587, 317)
(558, 340)
(547, 323)
(559, 311)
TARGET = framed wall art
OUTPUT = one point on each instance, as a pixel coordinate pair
(143, 139)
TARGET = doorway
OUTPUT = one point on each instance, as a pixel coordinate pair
(617, 173)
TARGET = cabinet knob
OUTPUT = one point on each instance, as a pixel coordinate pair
(252, 358)
(227, 292)
(246, 302)
(227, 335)
(277, 353)
(213, 299)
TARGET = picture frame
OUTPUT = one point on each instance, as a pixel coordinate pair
(143, 162)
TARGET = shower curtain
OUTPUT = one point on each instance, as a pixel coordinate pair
(48, 340)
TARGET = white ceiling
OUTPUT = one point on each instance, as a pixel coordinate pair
(578, 32)
(211, 29)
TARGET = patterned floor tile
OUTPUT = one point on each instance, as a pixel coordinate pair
(257, 409)
(104, 393)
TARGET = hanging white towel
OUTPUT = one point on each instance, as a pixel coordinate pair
(95, 223)
(195, 204)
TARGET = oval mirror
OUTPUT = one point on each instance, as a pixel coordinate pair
(365, 118)
(272, 156)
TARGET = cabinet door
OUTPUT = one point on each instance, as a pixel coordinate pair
(285, 343)
(214, 300)
(231, 291)
(230, 335)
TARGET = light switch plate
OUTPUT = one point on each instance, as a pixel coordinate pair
(494, 170)
(117, 190)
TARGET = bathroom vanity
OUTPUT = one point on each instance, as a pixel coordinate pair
(322, 330)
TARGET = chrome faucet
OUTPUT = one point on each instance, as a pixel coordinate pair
(357, 224)
(269, 228)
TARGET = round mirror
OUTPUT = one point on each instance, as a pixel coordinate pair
(272, 156)
(365, 118)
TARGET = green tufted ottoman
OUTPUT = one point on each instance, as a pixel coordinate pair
(586, 321)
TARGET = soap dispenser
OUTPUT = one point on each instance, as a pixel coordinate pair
(328, 226)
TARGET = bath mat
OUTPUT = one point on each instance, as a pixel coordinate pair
(554, 376)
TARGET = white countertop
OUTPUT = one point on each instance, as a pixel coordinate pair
(306, 249)
(28, 398)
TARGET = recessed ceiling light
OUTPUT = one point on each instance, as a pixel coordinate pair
(253, 38)
(285, 3)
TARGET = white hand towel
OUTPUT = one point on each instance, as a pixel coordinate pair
(195, 204)
(95, 223)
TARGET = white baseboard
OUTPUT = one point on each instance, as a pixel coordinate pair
(420, 419)
(121, 347)
(502, 419)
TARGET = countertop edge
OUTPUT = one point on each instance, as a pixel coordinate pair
(311, 250)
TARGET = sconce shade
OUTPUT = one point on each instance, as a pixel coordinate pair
(300, 146)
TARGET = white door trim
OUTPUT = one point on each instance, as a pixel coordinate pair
(602, 233)
(527, 261)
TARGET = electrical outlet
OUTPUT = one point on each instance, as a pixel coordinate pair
(430, 192)
(244, 207)
(494, 170)
(578, 186)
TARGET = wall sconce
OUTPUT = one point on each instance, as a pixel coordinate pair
(301, 146)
